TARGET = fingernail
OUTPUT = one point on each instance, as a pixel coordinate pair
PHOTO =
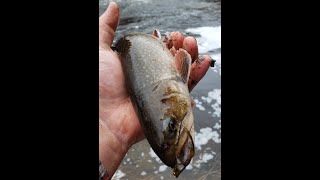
(200, 58)
(212, 62)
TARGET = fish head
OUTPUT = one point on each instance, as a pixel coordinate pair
(177, 128)
(178, 144)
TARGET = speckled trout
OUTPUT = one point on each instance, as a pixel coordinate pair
(158, 85)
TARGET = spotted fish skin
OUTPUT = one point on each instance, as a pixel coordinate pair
(149, 61)
(161, 98)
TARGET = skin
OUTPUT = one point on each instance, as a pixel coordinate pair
(119, 126)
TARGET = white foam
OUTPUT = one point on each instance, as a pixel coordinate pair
(203, 159)
(203, 137)
(142, 154)
(154, 155)
(217, 110)
(119, 174)
(189, 167)
(128, 159)
(206, 157)
(212, 95)
(197, 164)
(161, 177)
(200, 107)
(162, 168)
(215, 137)
(216, 95)
(196, 101)
(210, 38)
(143, 173)
(217, 126)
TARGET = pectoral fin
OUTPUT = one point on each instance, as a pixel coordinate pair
(183, 64)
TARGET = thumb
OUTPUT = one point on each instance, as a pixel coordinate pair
(108, 23)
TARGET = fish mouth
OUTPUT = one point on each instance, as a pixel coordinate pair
(185, 153)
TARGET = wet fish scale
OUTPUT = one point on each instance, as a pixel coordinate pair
(149, 60)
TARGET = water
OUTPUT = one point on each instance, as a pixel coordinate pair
(201, 19)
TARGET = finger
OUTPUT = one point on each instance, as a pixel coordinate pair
(191, 46)
(108, 23)
(198, 69)
(174, 39)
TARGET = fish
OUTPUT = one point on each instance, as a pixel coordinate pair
(157, 82)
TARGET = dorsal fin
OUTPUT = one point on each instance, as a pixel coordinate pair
(156, 33)
(173, 51)
(183, 63)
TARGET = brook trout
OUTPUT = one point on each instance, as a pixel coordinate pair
(159, 90)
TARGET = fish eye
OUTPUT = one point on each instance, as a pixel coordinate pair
(169, 127)
(172, 126)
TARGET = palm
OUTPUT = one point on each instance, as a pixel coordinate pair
(114, 100)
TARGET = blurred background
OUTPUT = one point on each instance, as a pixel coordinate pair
(201, 19)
